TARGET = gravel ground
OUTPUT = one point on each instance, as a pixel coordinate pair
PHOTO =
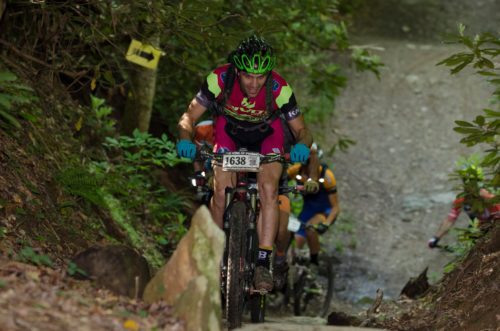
(393, 183)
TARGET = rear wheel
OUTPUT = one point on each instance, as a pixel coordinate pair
(299, 293)
(236, 264)
(257, 306)
(328, 264)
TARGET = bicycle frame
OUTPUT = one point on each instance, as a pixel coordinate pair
(242, 208)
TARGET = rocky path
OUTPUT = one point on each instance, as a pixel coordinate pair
(298, 324)
(394, 183)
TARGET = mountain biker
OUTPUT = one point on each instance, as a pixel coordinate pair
(247, 98)
(320, 209)
(475, 202)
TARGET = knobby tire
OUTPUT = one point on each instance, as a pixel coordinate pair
(301, 299)
(257, 305)
(235, 274)
(329, 290)
(298, 293)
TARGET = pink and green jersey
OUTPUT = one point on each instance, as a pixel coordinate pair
(249, 111)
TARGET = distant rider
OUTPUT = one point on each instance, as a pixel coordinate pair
(320, 209)
(474, 202)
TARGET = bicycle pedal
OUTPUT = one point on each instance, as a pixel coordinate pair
(261, 292)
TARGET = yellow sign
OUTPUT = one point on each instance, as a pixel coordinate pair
(143, 55)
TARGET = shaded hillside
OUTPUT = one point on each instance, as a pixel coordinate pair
(466, 299)
(35, 211)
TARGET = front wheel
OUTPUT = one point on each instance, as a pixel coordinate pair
(328, 264)
(235, 284)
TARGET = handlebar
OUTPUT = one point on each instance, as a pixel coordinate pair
(291, 189)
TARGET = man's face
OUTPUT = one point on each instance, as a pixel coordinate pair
(251, 83)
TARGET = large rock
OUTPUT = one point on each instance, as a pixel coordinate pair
(190, 279)
(116, 267)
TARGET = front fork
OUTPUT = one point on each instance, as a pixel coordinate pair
(229, 194)
(252, 238)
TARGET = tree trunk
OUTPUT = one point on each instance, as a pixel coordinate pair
(3, 4)
(140, 97)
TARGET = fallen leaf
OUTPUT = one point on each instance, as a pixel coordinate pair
(131, 325)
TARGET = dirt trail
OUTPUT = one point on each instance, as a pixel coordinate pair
(394, 183)
(298, 324)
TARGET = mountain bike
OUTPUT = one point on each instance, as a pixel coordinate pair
(304, 285)
(240, 227)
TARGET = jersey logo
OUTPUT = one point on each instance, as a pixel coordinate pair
(245, 103)
(223, 76)
(276, 85)
(246, 111)
(293, 112)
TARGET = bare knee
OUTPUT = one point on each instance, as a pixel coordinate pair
(268, 192)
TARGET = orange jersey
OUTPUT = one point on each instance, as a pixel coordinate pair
(204, 133)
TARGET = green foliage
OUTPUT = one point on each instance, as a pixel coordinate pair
(172, 231)
(470, 175)
(484, 129)
(467, 238)
(142, 150)
(27, 254)
(342, 143)
(481, 50)
(78, 181)
(127, 189)
(195, 36)
(132, 194)
(363, 60)
(86, 41)
(13, 96)
(3, 232)
(102, 123)
(73, 270)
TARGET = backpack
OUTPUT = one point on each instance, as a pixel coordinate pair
(254, 135)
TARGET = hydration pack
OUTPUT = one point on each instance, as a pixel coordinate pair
(251, 136)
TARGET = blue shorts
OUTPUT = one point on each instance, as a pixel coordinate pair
(307, 214)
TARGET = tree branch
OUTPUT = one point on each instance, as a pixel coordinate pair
(57, 68)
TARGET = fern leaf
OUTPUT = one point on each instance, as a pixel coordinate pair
(10, 119)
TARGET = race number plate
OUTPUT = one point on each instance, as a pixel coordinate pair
(239, 161)
(293, 224)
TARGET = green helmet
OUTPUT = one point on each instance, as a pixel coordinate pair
(254, 55)
(471, 174)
